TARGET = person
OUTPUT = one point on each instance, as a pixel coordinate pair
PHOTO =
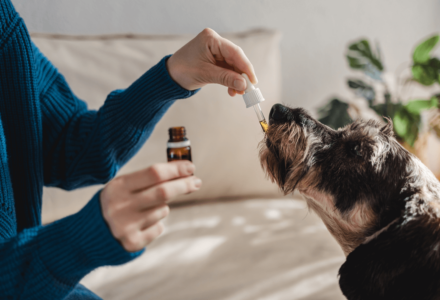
(48, 137)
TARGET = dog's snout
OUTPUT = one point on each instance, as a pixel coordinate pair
(278, 114)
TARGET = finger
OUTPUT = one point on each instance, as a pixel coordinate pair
(156, 174)
(236, 57)
(153, 215)
(226, 77)
(233, 92)
(165, 192)
(224, 65)
(152, 233)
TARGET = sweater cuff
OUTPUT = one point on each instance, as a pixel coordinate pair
(72, 247)
(157, 80)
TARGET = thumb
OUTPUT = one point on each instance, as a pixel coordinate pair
(227, 78)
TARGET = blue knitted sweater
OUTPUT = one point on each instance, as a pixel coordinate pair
(48, 137)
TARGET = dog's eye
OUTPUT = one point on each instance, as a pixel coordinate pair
(356, 150)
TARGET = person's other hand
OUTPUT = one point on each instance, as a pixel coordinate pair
(134, 204)
(209, 58)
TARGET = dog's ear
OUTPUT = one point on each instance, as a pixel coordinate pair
(387, 129)
(402, 262)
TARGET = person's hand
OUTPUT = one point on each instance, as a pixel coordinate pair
(209, 58)
(133, 204)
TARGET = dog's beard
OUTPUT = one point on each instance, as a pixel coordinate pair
(282, 155)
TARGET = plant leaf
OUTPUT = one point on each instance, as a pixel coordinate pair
(354, 62)
(334, 114)
(417, 106)
(360, 56)
(406, 125)
(407, 118)
(423, 74)
(400, 123)
(387, 110)
(362, 89)
(422, 52)
(427, 73)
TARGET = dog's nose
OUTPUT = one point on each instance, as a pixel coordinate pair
(278, 114)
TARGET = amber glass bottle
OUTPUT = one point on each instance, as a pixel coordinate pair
(178, 146)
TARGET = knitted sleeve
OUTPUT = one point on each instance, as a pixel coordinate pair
(47, 262)
(84, 147)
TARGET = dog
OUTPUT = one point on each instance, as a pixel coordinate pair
(379, 201)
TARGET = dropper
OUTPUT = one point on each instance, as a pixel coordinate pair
(252, 97)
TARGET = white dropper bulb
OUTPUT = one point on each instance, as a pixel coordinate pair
(252, 98)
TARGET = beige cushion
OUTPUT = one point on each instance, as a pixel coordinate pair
(224, 134)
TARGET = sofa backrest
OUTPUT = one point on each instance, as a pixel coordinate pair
(224, 134)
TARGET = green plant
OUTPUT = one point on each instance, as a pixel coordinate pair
(406, 117)
(426, 69)
(334, 114)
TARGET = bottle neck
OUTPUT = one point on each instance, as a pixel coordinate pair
(174, 139)
(177, 134)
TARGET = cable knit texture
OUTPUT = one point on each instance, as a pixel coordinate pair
(49, 137)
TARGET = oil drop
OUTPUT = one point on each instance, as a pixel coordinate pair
(264, 125)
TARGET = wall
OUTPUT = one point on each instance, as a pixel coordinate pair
(315, 31)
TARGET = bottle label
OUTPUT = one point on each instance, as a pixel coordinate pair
(178, 144)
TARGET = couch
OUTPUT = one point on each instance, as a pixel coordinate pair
(238, 237)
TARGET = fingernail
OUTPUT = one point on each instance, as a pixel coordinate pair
(197, 182)
(256, 80)
(239, 85)
(190, 169)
